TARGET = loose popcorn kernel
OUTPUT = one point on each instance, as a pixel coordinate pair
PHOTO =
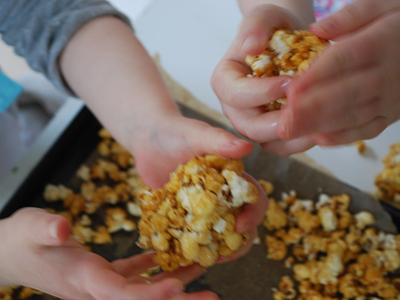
(267, 186)
(54, 193)
(288, 53)
(388, 180)
(276, 248)
(117, 219)
(192, 219)
(102, 236)
(361, 146)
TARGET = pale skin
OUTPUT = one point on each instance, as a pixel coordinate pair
(133, 103)
(349, 93)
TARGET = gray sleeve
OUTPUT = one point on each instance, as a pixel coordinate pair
(39, 29)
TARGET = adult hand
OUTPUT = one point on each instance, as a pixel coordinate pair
(351, 92)
(38, 251)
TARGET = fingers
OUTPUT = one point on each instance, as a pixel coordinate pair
(358, 53)
(341, 103)
(289, 147)
(363, 132)
(211, 140)
(353, 17)
(186, 275)
(135, 264)
(41, 227)
(252, 214)
(257, 25)
(234, 88)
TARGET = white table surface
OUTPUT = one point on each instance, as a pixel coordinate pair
(191, 37)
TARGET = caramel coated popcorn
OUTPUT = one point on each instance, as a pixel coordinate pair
(333, 254)
(288, 53)
(388, 181)
(192, 219)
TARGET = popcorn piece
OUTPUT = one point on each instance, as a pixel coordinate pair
(54, 193)
(288, 53)
(276, 248)
(364, 219)
(134, 209)
(117, 220)
(388, 180)
(101, 236)
(267, 186)
(192, 219)
(83, 173)
(275, 216)
(361, 146)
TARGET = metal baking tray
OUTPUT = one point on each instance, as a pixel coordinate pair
(250, 277)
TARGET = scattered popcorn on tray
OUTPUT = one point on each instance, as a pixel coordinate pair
(110, 184)
(288, 53)
(388, 180)
(333, 254)
(192, 219)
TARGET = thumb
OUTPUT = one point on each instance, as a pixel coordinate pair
(42, 227)
(213, 140)
(257, 26)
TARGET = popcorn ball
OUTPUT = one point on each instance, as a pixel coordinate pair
(288, 53)
(192, 219)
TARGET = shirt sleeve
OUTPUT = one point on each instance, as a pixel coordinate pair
(39, 29)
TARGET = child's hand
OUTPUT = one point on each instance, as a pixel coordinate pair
(176, 140)
(242, 99)
(352, 91)
(38, 251)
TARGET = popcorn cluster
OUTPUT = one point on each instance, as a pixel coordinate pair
(333, 254)
(388, 181)
(192, 219)
(288, 53)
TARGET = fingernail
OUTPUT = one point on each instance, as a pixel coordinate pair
(282, 131)
(53, 229)
(285, 84)
(177, 290)
(325, 25)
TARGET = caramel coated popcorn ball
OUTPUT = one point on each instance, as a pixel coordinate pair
(388, 181)
(288, 53)
(192, 219)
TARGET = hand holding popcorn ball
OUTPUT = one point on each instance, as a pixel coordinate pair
(287, 54)
(192, 219)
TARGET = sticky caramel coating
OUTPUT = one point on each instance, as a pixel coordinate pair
(288, 53)
(192, 219)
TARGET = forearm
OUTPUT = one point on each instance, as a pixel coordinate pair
(302, 9)
(107, 67)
